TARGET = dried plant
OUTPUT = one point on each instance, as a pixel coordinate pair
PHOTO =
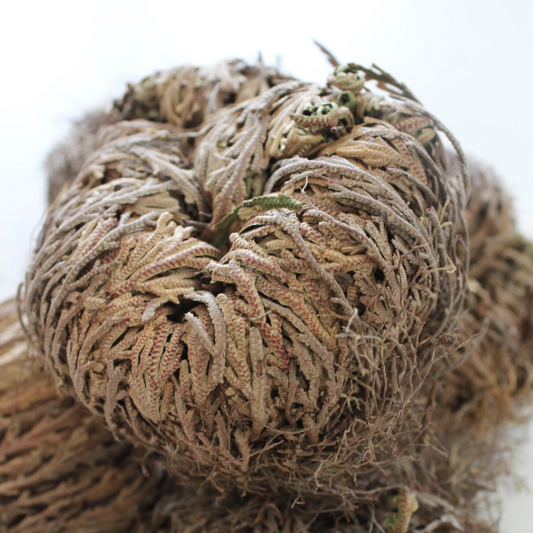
(60, 471)
(493, 381)
(451, 468)
(293, 361)
(489, 214)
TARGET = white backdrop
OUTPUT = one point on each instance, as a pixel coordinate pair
(470, 63)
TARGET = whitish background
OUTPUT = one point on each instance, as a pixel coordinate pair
(470, 62)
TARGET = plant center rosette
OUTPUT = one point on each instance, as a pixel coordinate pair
(263, 308)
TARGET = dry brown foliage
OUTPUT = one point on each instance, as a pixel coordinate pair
(494, 381)
(289, 175)
(184, 96)
(60, 470)
(291, 362)
(288, 359)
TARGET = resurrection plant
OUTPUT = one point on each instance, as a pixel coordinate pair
(60, 470)
(493, 381)
(255, 277)
(287, 357)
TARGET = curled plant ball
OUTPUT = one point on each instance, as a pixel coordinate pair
(495, 378)
(290, 362)
(493, 372)
(59, 469)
